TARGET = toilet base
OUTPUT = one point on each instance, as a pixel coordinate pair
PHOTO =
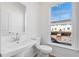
(40, 54)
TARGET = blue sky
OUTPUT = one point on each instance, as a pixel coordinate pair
(61, 11)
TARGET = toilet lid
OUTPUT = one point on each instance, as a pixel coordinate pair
(45, 48)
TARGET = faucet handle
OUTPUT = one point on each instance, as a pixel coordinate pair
(17, 33)
(9, 32)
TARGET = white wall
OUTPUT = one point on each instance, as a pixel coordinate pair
(44, 22)
(58, 51)
(0, 28)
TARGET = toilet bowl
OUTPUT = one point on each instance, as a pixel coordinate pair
(44, 50)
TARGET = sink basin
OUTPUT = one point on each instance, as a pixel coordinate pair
(9, 48)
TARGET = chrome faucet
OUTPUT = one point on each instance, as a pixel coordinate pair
(16, 38)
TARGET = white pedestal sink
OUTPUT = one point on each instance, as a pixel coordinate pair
(12, 48)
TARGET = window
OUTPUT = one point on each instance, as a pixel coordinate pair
(61, 12)
(61, 15)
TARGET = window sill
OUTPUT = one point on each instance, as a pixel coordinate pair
(62, 46)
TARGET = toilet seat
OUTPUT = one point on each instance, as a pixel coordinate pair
(45, 48)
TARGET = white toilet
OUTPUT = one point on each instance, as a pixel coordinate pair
(43, 50)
